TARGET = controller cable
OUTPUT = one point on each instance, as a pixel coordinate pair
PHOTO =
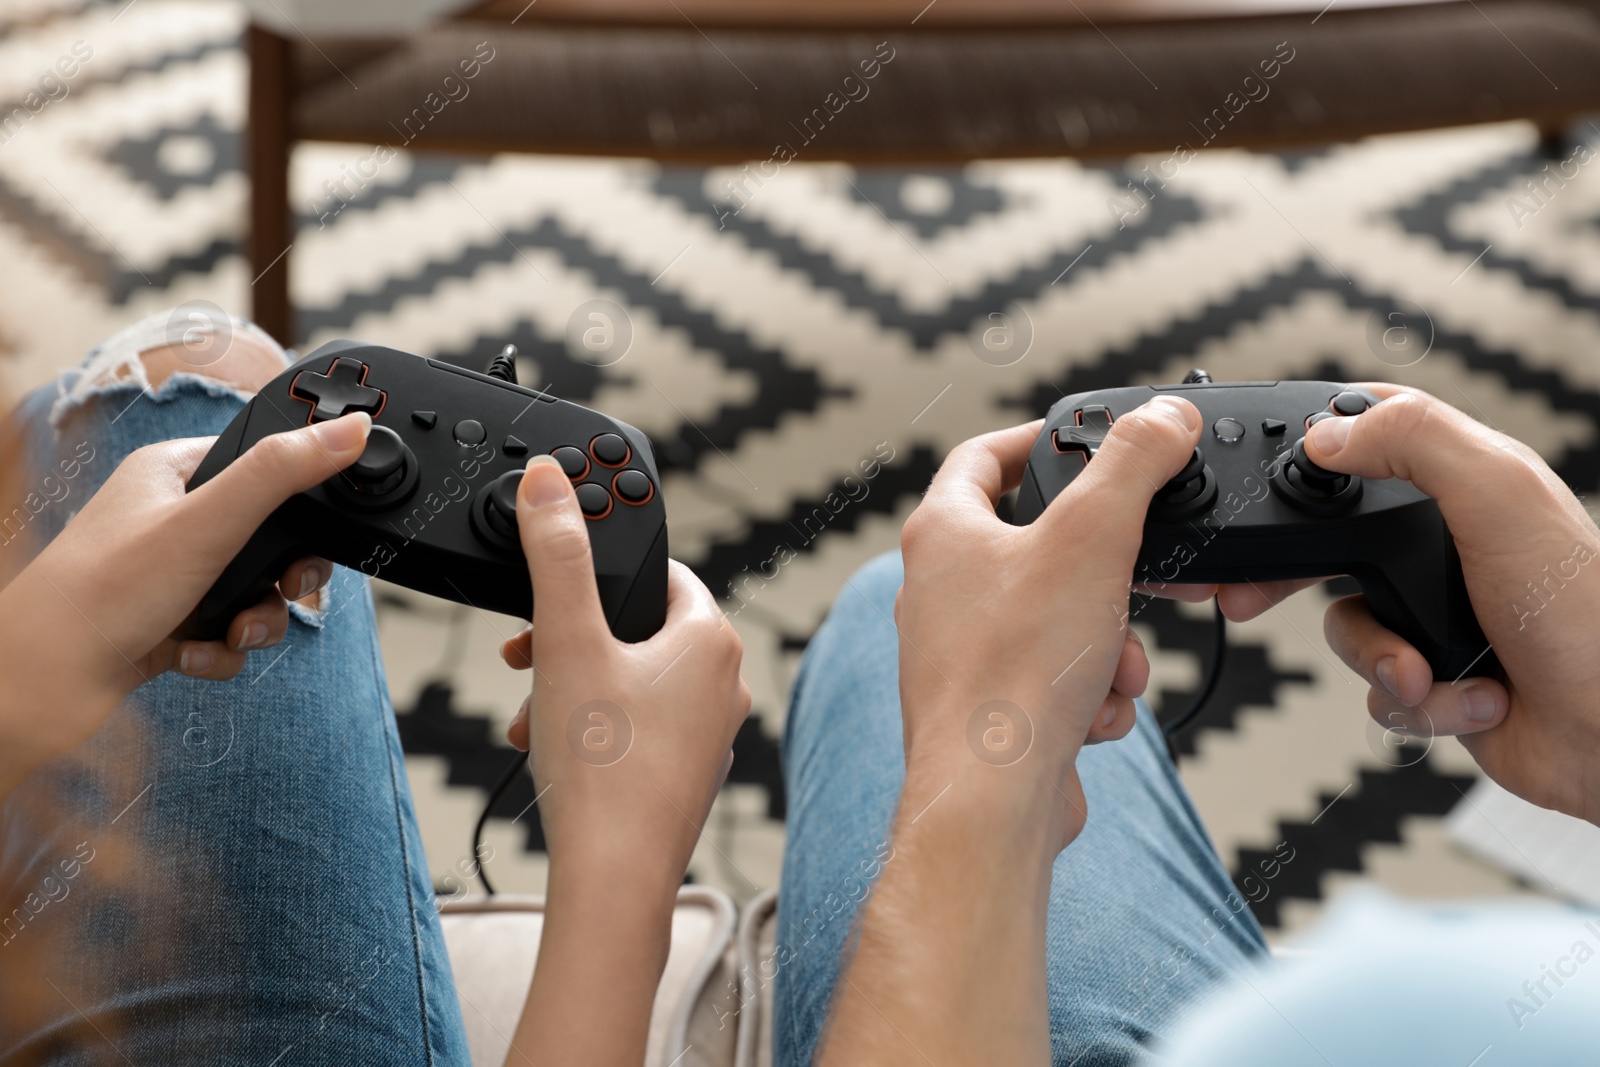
(503, 367)
(1219, 656)
(511, 774)
(1219, 651)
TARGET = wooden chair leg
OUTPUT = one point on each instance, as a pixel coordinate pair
(267, 147)
(1556, 140)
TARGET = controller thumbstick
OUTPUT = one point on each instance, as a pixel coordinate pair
(1187, 482)
(382, 466)
(1313, 476)
(500, 507)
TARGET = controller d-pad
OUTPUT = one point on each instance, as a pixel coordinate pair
(1074, 439)
(1094, 422)
(341, 391)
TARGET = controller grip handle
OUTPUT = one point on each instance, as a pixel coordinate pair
(251, 575)
(1424, 600)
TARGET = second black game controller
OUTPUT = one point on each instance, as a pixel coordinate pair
(1251, 506)
(431, 502)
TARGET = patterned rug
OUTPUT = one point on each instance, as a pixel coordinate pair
(836, 317)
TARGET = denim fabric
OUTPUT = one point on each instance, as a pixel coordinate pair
(1142, 916)
(228, 872)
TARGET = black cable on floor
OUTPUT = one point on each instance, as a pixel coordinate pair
(494, 797)
(1219, 655)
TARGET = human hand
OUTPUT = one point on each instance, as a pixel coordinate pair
(1028, 623)
(1525, 544)
(629, 742)
(94, 615)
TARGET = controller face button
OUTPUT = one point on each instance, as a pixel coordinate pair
(470, 432)
(594, 500)
(513, 446)
(610, 450)
(341, 391)
(633, 487)
(1321, 416)
(1229, 431)
(572, 461)
(426, 419)
(500, 507)
(1273, 427)
(382, 465)
(1350, 403)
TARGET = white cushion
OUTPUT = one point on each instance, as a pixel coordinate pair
(494, 942)
(758, 939)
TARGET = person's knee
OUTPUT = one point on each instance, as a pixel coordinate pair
(245, 360)
(211, 345)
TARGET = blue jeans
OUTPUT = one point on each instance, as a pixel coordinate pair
(228, 872)
(1143, 919)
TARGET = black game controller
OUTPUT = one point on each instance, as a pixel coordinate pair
(431, 502)
(1251, 506)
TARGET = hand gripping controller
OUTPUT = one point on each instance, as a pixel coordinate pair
(1250, 506)
(431, 502)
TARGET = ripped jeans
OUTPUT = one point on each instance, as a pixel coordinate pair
(228, 872)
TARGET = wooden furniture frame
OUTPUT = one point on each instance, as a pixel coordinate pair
(717, 81)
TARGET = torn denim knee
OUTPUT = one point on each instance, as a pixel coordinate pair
(114, 365)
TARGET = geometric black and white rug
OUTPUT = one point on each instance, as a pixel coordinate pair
(832, 318)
